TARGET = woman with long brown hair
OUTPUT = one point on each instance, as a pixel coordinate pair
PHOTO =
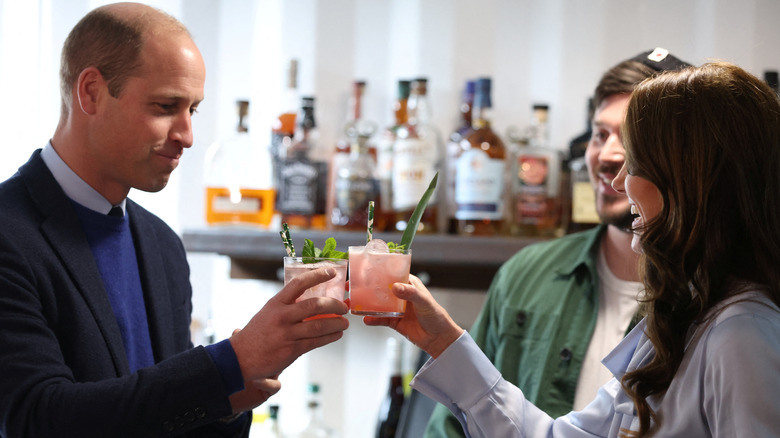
(702, 174)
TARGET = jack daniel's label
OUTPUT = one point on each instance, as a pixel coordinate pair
(298, 187)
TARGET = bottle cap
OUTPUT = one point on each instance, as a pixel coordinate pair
(482, 96)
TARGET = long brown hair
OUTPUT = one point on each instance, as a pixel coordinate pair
(709, 138)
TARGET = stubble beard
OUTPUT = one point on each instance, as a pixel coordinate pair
(611, 214)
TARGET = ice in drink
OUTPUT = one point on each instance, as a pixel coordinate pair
(372, 271)
(334, 288)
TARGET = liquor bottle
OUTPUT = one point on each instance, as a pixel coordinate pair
(237, 175)
(416, 158)
(771, 79)
(274, 430)
(283, 128)
(384, 155)
(583, 198)
(315, 424)
(390, 410)
(356, 182)
(303, 174)
(536, 183)
(452, 151)
(479, 172)
(265, 427)
(341, 156)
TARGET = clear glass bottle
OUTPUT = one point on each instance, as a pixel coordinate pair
(283, 127)
(416, 159)
(356, 182)
(536, 183)
(452, 151)
(355, 123)
(266, 427)
(479, 173)
(384, 156)
(237, 173)
(302, 175)
(315, 423)
(390, 410)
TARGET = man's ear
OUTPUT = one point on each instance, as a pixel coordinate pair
(88, 88)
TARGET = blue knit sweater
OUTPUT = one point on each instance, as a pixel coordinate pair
(112, 245)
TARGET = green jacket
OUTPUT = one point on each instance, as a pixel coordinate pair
(536, 323)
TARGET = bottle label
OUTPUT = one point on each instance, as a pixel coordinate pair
(536, 189)
(414, 165)
(353, 194)
(583, 204)
(479, 186)
(298, 187)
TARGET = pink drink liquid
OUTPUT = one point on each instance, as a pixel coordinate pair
(334, 288)
(371, 278)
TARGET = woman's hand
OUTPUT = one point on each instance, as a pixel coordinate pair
(425, 323)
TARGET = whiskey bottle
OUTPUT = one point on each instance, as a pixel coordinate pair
(452, 151)
(536, 183)
(390, 410)
(356, 182)
(341, 156)
(479, 172)
(384, 153)
(315, 423)
(238, 178)
(416, 159)
(583, 198)
(303, 175)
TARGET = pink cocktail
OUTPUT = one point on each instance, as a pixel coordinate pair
(371, 277)
(334, 288)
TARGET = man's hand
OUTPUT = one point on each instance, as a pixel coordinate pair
(256, 393)
(278, 334)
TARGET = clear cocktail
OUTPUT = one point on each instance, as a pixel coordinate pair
(334, 288)
(372, 271)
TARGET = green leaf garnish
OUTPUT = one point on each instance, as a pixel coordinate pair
(392, 246)
(414, 219)
(310, 252)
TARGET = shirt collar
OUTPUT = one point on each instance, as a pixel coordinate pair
(73, 186)
(587, 256)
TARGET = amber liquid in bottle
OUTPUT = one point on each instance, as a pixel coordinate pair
(235, 192)
(479, 176)
(384, 155)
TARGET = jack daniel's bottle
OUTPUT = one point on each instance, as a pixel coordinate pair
(303, 175)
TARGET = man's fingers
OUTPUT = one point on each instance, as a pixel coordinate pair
(298, 285)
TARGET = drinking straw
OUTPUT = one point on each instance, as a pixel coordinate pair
(286, 245)
(370, 220)
(288, 239)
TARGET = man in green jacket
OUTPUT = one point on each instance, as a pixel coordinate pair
(555, 309)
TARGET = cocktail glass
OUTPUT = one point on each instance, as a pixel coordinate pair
(334, 288)
(372, 273)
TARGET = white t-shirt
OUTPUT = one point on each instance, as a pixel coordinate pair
(617, 305)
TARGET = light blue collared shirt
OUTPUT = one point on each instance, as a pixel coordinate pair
(73, 186)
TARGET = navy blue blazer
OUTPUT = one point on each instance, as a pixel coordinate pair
(63, 369)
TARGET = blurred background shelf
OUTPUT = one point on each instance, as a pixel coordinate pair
(442, 261)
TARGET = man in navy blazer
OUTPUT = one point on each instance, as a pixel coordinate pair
(95, 298)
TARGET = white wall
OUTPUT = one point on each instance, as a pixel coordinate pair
(549, 51)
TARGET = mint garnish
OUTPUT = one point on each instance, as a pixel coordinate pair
(327, 252)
